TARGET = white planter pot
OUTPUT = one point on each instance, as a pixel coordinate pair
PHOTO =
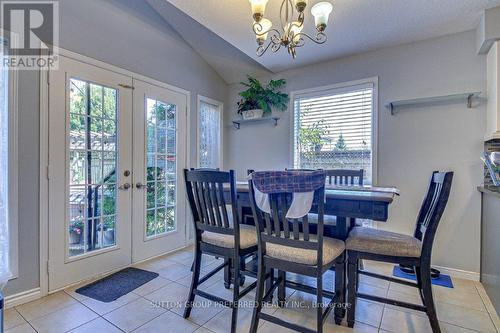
(253, 114)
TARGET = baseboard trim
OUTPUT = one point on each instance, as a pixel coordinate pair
(22, 297)
(458, 273)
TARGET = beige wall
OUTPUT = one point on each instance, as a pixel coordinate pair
(410, 145)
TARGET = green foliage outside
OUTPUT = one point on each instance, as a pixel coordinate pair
(340, 145)
(101, 117)
(312, 137)
(257, 96)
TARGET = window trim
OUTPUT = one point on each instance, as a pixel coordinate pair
(337, 86)
(201, 98)
(13, 161)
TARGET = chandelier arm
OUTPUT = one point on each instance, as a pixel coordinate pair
(276, 37)
(320, 38)
(300, 19)
(271, 30)
(276, 47)
(261, 49)
(283, 22)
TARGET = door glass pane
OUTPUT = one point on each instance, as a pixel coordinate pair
(160, 167)
(92, 167)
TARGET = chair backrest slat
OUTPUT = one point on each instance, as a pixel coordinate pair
(215, 201)
(305, 227)
(275, 214)
(432, 209)
(284, 221)
(210, 205)
(223, 205)
(201, 199)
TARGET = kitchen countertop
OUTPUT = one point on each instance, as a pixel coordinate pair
(485, 190)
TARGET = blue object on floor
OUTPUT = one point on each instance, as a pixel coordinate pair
(116, 285)
(443, 280)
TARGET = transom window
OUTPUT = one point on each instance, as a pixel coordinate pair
(334, 128)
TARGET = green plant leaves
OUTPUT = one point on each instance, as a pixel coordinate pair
(256, 96)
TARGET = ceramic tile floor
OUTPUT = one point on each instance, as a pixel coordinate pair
(466, 308)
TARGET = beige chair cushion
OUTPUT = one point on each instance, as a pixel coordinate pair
(332, 248)
(383, 242)
(248, 238)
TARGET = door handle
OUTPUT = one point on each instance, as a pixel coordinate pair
(125, 186)
(139, 185)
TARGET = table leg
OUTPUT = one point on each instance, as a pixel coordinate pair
(341, 232)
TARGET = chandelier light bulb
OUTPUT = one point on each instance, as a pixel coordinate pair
(262, 29)
(258, 9)
(321, 11)
(300, 5)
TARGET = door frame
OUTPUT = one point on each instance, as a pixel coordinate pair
(44, 150)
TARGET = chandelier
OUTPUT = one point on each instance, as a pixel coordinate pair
(290, 35)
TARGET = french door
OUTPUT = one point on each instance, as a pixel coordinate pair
(115, 159)
(159, 141)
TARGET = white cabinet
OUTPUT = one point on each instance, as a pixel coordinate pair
(493, 91)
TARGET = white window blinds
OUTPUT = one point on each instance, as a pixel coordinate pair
(209, 145)
(333, 129)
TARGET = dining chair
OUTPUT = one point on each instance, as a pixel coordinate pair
(218, 233)
(344, 177)
(341, 177)
(284, 247)
(416, 250)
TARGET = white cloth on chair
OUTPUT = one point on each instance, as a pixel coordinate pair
(300, 206)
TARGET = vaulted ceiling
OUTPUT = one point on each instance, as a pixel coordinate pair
(220, 30)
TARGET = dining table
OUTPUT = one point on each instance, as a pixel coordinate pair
(346, 203)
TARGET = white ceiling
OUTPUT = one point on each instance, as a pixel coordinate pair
(355, 25)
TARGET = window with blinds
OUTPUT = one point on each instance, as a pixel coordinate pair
(209, 134)
(333, 129)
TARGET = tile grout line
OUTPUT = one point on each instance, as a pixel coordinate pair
(27, 322)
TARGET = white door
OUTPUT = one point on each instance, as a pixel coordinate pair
(159, 146)
(90, 165)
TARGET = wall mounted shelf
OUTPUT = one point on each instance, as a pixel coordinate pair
(237, 123)
(466, 97)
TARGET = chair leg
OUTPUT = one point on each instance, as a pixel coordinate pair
(352, 272)
(359, 266)
(339, 310)
(242, 268)
(236, 296)
(425, 277)
(269, 282)
(282, 289)
(259, 294)
(418, 275)
(194, 283)
(227, 273)
(319, 303)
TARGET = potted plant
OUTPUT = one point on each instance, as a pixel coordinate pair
(75, 231)
(258, 100)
